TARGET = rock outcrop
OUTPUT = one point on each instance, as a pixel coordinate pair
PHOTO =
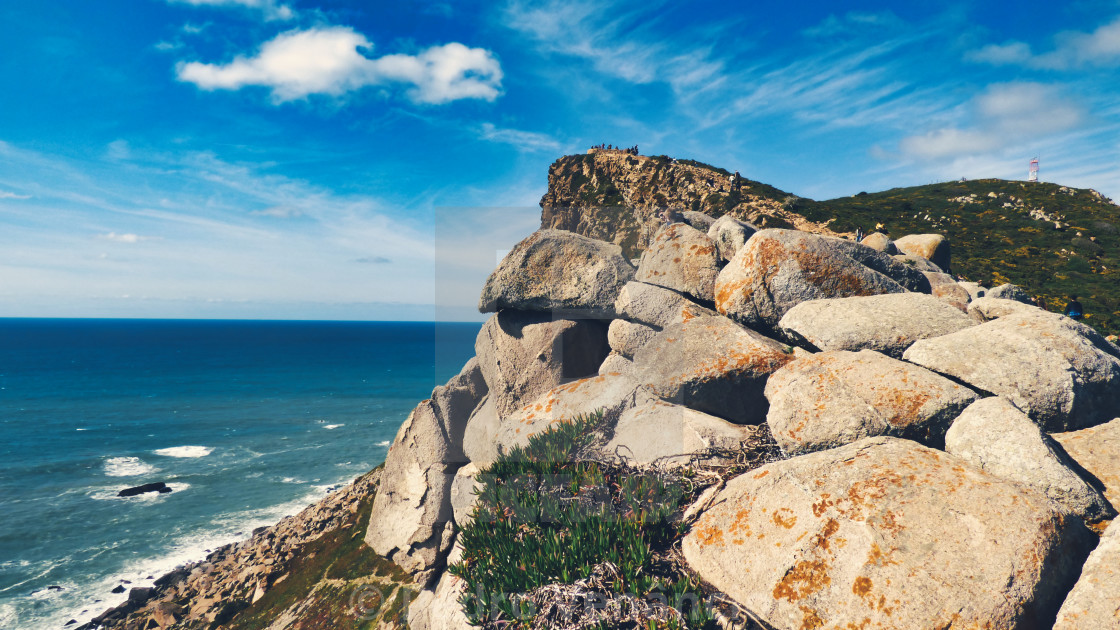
(834, 398)
(558, 272)
(1095, 449)
(523, 354)
(932, 247)
(888, 323)
(779, 269)
(683, 259)
(1061, 373)
(711, 364)
(998, 438)
(1094, 601)
(887, 533)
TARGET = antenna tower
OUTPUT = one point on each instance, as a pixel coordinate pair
(1032, 174)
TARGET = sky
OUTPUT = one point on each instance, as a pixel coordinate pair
(350, 159)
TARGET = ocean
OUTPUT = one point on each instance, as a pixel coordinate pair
(246, 421)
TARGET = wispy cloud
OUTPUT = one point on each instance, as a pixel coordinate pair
(523, 140)
(278, 212)
(1071, 49)
(4, 194)
(330, 61)
(373, 260)
(269, 9)
(1004, 115)
(123, 238)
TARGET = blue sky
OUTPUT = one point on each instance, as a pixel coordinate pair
(348, 159)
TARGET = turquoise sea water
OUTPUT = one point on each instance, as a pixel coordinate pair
(246, 421)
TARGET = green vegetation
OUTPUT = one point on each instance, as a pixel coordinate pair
(553, 522)
(995, 239)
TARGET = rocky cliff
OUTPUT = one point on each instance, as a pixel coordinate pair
(748, 428)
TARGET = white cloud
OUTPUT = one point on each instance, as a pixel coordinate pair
(11, 195)
(269, 8)
(329, 60)
(523, 140)
(122, 238)
(1004, 115)
(1072, 49)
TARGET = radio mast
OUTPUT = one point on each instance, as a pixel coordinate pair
(1032, 174)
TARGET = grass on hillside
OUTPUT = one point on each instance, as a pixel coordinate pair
(995, 240)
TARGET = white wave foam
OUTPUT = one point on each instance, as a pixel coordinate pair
(383, 443)
(185, 451)
(333, 426)
(127, 467)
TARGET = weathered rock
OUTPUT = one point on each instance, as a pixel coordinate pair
(713, 365)
(887, 323)
(463, 489)
(698, 220)
(656, 306)
(943, 287)
(932, 247)
(668, 433)
(880, 242)
(412, 509)
(975, 289)
(439, 608)
(730, 234)
(615, 364)
(522, 354)
(1061, 373)
(1094, 601)
(917, 262)
(478, 443)
(159, 487)
(886, 533)
(1010, 292)
(988, 308)
(834, 398)
(998, 438)
(683, 259)
(778, 269)
(625, 337)
(1095, 450)
(611, 394)
(558, 271)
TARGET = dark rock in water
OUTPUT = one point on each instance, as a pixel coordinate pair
(158, 486)
(70, 623)
(172, 577)
(118, 589)
(54, 587)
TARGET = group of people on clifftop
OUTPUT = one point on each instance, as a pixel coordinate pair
(610, 147)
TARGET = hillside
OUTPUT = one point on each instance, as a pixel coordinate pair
(1052, 240)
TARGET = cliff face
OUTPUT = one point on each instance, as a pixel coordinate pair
(615, 196)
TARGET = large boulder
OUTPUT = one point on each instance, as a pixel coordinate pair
(975, 289)
(625, 337)
(1010, 292)
(464, 492)
(880, 242)
(698, 220)
(778, 269)
(987, 308)
(917, 262)
(830, 399)
(523, 354)
(1095, 449)
(439, 608)
(886, 533)
(713, 365)
(611, 394)
(656, 306)
(410, 522)
(998, 438)
(558, 271)
(932, 247)
(478, 437)
(683, 259)
(730, 234)
(1094, 601)
(945, 288)
(615, 365)
(887, 323)
(659, 431)
(1061, 373)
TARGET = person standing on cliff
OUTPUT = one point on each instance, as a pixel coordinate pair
(1073, 309)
